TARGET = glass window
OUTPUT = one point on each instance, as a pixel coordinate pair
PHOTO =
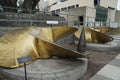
(63, 0)
(63, 9)
(77, 5)
(58, 10)
(71, 7)
(101, 14)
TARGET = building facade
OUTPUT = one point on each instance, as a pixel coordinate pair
(84, 11)
(117, 16)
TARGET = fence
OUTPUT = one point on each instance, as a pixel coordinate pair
(17, 23)
(41, 18)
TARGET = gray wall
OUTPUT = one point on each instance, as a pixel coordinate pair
(117, 16)
(32, 19)
(73, 14)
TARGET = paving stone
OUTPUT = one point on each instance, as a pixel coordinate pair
(115, 62)
(100, 77)
(109, 71)
(118, 57)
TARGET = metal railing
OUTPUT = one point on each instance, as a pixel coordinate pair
(16, 23)
(69, 21)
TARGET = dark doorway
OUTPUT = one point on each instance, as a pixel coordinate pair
(81, 19)
(96, 2)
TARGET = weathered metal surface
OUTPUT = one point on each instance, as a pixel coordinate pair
(34, 42)
(82, 42)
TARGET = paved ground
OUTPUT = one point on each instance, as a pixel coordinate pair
(97, 61)
(109, 72)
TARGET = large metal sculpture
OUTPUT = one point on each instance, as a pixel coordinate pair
(34, 42)
(95, 35)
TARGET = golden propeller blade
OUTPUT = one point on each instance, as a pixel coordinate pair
(28, 42)
(52, 33)
(102, 29)
(95, 36)
(52, 49)
(16, 44)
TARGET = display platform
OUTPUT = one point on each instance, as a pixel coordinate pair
(49, 69)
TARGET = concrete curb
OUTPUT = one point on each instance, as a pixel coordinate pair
(110, 46)
(51, 69)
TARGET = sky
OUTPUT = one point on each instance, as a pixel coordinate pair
(118, 7)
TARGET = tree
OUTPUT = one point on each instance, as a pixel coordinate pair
(27, 4)
(31, 6)
(8, 5)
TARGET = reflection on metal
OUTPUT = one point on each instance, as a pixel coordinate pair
(82, 42)
(34, 42)
(51, 33)
(103, 29)
(96, 35)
